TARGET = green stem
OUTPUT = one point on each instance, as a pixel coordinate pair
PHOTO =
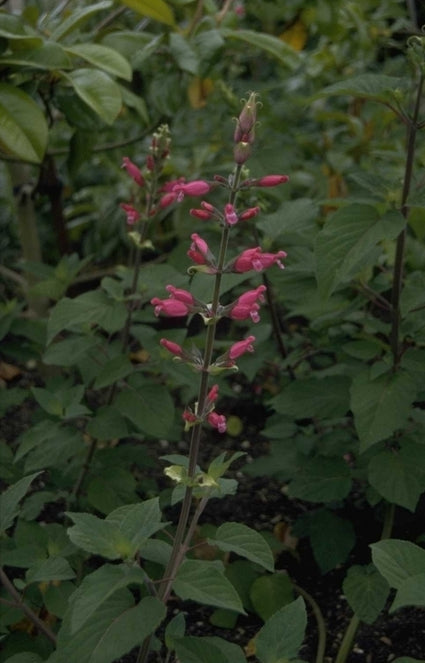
(321, 626)
(401, 239)
(347, 641)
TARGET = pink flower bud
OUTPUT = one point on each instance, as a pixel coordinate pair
(241, 152)
(172, 347)
(170, 307)
(212, 394)
(217, 421)
(150, 162)
(230, 215)
(189, 417)
(181, 295)
(200, 214)
(133, 171)
(133, 216)
(167, 199)
(208, 207)
(249, 213)
(248, 115)
(241, 347)
(195, 188)
(199, 251)
(256, 259)
(271, 180)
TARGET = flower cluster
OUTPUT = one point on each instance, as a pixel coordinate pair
(247, 305)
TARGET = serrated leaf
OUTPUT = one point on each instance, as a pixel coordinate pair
(97, 587)
(150, 408)
(282, 635)
(321, 480)
(53, 568)
(245, 542)
(113, 630)
(398, 560)
(399, 475)
(268, 43)
(23, 127)
(347, 243)
(381, 406)
(312, 397)
(366, 591)
(115, 369)
(332, 539)
(69, 351)
(102, 57)
(411, 592)
(368, 86)
(156, 9)
(10, 498)
(191, 649)
(205, 582)
(98, 90)
(269, 593)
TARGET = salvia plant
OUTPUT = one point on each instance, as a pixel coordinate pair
(101, 587)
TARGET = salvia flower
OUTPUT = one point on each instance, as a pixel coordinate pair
(217, 421)
(133, 171)
(249, 213)
(195, 188)
(238, 349)
(256, 259)
(172, 347)
(230, 216)
(133, 215)
(246, 305)
(270, 180)
(212, 395)
(170, 307)
(181, 295)
(200, 253)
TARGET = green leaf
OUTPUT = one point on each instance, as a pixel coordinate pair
(77, 17)
(294, 218)
(282, 635)
(107, 424)
(49, 56)
(98, 91)
(205, 582)
(369, 86)
(381, 406)
(113, 630)
(321, 480)
(270, 593)
(53, 568)
(399, 474)
(191, 649)
(156, 9)
(366, 591)
(245, 542)
(398, 560)
(347, 243)
(70, 351)
(268, 43)
(184, 55)
(23, 127)
(332, 539)
(91, 308)
(327, 397)
(138, 521)
(97, 587)
(410, 592)
(49, 444)
(104, 58)
(12, 27)
(115, 369)
(26, 657)
(150, 408)
(9, 501)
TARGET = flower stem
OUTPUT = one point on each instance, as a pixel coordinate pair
(321, 626)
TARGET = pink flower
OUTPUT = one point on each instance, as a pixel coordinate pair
(167, 199)
(200, 214)
(172, 347)
(246, 305)
(217, 421)
(230, 215)
(199, 251)
(189, 417)
(195, 188)
(133, 171)
(256, 259)
(239, 348)
(212, 394)
(181, 295)
(249, 213)
(170, 307)
(271, 180)
(133, 215)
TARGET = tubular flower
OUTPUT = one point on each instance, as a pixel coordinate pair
(200, 253)
(171, 307)
(217, 421)
(212, 395)
(195, 188)
(181, 295)
(239, 348)
(270, 180)
(246, 305)
(133, 171)
(230, 215)
(133, 215)
(172, 347)
(249, 213)
(257, 260)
